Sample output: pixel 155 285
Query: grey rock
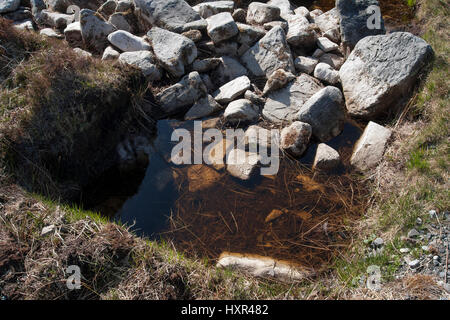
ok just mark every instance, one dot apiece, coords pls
pixel 381 71
pixel 325 112
pixel 283 105
pixel 108 8
pixel 208 9
pixel 261 13
pixel 205 65
pixel 126 41
pixel 249 34
pixel 228 69
pixel 168 14
pixel 202 108
pixel 72 33
pixel 94 30
pixel 285 8
pixel 326 73
pixel 328 20
pixel 241 112
pixel 277 80
pixel 326 44
pixel 55 19
pixel 295 138
pixel 173 50
pixel 269 54
pixel 120 22
pixel 254 98
pixel 194 35
pixel 414 264
pixel 305 64
pixel 301 33
pixel 182 95
pixel 369 149
pixel 334 60
pixel 232 90
pixel 413 233
pixel 110 54
pixel 49 32
pixel 326 158
pixel 124 5
pixel 271 25
pixel 354 18
pixel 221 27
pixel 144 61
pixel 9 5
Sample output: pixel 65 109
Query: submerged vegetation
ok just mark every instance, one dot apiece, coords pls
pixel 49 129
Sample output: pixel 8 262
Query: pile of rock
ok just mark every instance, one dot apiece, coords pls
pixel 303 71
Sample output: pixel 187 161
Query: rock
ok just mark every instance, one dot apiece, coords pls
pixel 369 149
pixel 18 15
pixel 173 50
pixel 83 53
pixel 245 169
pixel 378 243
pixel 182 95
pixel 285 8
pixel 119 21
pixel 201 177
pixel 194 35
pixel 301 33
pixel 241 112
pixel 205 65
pixel 271 25
pixel 110 54
pixel 254 98
pixel 9 5
pixel 124 5
pixel 414 264
pixel 172 15
pixel 72 33
pixel 326 73
pixel 208 83
pixel 326 158
pixel 302 11
pixel 249 34
pixel 305 64
pixel 36 9
pixel 334 60
pixel 277 80
pixel 333 34
pixel 208 9
pixel 404 250
pixel 325 112
pixel 269 54
pixel 48 229
pixel 260 13
pixel 327 21
pixel 126 41
pixel 317 53
pixel 94 30
pixel 202 108
pixel 227 48
pixel 283 105
pixel 199 25
pixel 381 71
pixel 259 266
pixel 108 8
pixel 144 61
pixel 55 19
pixel 232 90
pixel 228 69
pixel 326 45
pixel 413 233
pixel 295 138
pixel 23 25
pixel 354 20
pixel 49 32
pixel 221 27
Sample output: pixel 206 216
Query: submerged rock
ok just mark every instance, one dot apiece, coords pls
pixel 381 71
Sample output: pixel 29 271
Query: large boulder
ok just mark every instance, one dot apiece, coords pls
pixel 355 19
pixel 168 14
pixel 94 30
pixel 182 95
pixel 270 53
pixel 369 149
pixel 283 105
pixel 325 112
pixel 381 71
pixel 173 50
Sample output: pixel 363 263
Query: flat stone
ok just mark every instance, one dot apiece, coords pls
pixel 326 44
pixel 173 50
pixel 49 32
pixel 381 72
pixel 270 53
pixel 204 107
pixel 232 90
pixel 369 149
pixel 325 112
pixel 283 105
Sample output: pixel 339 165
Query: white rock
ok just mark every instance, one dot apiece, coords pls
pixel 221 27
pixel 334 60
pixel 9 5
pixel 48 229
pixel 240 112
pixel 249 34
pixel 49 32
pixel 144 61
pixel 369 149
pixel 303 11
pixel 260 13
pixel 73 35
pixel 301 33
pixel 328 20
pixel 285 7
pixel 277 80
pixel 56 20
pixel 110 54
pixel 305 64
pixel 326 73
pixel 326 158
pixel 232 90
pixel 83 53
pixel 208 9
pixel 126 41
pixel 228 69
pixel 326 44
pixel 246 167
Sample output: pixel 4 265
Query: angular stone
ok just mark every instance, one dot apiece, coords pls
pixel 204 107
pixel 173 50
pixel 205 65
pixel 327 21
pixel 325 112
pixel 326 45
pixel 228 69
pixel 277 80
pixel 208 9
pixel 108 8
pixel 240 112
pixel 168 14
pixel 334 60
pixel 56 20
pixel 285 8
pixel 94 30
pixel 261 13
pixel 295 138
pixel 354 19
pixel 144 61
pixel 369 149
pixel 326 158
pixel 119 21
pixel 194 35
pixel 271 25
pixel 283 105
pixel 305 64
pixel 242 165
pixel 232 90
pixel 249 34
pixel 110 54
pixel 269 54
pixel 49 32
pixel 381 71
pixel 301 33
pixel 182 95
pixel 221 27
